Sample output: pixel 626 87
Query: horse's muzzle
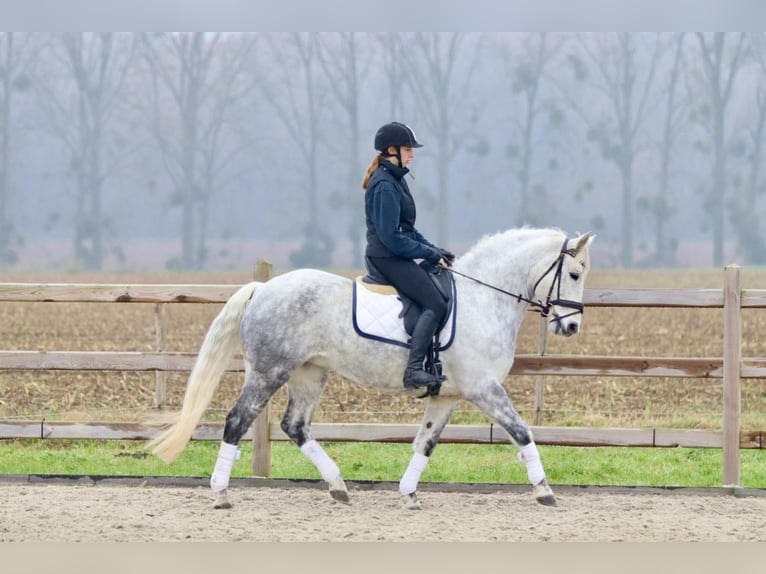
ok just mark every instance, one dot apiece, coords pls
pixel 565 327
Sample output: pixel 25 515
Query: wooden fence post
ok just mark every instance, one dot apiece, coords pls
pixel 261 442
pixel 539 379
pixel 732 361
pixel 160 377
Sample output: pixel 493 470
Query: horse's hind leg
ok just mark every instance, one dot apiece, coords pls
pixel 254 396
pixel 436 416
pixel 494 401
pixel 304 391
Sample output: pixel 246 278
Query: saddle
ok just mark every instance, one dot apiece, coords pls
pixel 375 282
pixel 442 279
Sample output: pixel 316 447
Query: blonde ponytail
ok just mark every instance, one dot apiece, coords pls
pixel 370 170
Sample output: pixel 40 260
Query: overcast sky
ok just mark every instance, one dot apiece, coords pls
pixel 392 15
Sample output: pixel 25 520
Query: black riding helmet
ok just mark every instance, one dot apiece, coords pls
pixel 395 134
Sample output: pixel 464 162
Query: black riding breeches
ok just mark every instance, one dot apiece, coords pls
pixel 413 281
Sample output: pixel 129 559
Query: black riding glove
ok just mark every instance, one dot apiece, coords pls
pixel 435 257
pixel 448 256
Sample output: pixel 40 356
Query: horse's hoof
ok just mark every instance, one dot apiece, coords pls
pixel 339 492
pixel 549 500
pixel 222 501
pixel 411 502
pixel 340 496
pixel 544 494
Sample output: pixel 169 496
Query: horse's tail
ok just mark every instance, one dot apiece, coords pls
pixel 214 356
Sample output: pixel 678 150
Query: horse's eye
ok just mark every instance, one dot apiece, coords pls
pixel 574 276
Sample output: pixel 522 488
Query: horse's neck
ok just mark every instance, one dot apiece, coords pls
pixel 488 277
pixel 511 263
pixel 512 267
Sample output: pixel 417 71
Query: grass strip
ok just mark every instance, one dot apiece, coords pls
pixel 611 466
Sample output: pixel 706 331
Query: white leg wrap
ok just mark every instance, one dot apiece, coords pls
pixel 530 455
pixel 325 465
pixel 227 454
pixel 409 482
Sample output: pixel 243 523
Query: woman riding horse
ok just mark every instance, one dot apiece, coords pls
pixel 393 242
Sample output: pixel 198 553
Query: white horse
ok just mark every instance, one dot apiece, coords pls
pixel 296 328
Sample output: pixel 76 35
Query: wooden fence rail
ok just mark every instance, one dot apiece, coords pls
pixel 730 367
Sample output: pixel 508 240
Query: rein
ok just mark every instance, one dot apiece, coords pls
pixel 538 307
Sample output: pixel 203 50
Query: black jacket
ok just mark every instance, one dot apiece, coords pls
pixel 390 216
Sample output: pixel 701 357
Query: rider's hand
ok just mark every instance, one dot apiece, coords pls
pixel 447 257
pixel 435 257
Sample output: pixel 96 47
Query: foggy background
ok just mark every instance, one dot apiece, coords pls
pixel 151 151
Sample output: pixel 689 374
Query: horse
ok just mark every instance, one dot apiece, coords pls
pixel 296 328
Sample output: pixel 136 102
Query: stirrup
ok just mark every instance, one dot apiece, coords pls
pixel 432 390
pixel 432 386
pixel 425 379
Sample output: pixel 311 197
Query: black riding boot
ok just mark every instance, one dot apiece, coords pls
pixel 422 335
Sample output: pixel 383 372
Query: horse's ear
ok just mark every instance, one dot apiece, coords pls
pixel 584 241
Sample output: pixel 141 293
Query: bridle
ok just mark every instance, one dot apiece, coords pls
pixel 538 306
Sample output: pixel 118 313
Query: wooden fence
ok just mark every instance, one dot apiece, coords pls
pixel 730 367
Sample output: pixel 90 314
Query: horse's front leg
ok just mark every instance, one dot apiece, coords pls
pixel 436 417
pixel 495 403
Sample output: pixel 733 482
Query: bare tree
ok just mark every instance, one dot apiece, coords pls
pixel 442 97
pixel 81 94
pixel 197 81
pixel 659 205
pixel 13 79
pixel 340 56
pixel 614 65
pixel 299 97
pixel 533 118
pixel 722 56
pixel 745 207
pixel 393 62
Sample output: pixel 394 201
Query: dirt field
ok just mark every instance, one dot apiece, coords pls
pixel 119 513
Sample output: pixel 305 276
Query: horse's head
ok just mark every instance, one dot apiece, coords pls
pixel 559 290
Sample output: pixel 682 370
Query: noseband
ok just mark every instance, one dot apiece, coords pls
pixel 543 308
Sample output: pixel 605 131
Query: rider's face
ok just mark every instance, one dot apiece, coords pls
pixel 407 154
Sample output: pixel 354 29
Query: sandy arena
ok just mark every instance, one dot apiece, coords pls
pixel 96 511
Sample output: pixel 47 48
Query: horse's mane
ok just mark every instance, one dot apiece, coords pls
pixel 519 248
pixel 491 241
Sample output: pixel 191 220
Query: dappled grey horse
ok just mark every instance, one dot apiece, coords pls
pixel 296 328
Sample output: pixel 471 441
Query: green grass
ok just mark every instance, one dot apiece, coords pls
pixel 386 462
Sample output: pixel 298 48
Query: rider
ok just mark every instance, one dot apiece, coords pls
pixel 393 242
